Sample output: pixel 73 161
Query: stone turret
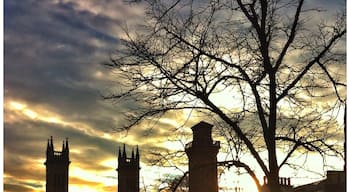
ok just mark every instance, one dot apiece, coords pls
pixel 202 153
pixel 57 166
pixel 128 171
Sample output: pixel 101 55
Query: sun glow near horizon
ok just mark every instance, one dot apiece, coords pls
pixel 94 180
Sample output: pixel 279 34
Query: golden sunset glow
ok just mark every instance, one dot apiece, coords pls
pixel 95 180
pixel 39 113
pixel 59 74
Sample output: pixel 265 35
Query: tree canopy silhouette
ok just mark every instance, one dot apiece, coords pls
pixel 275 62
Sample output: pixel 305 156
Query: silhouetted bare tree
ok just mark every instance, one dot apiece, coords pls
pixel 274 61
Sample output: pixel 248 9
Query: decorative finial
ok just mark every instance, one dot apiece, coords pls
pixel 51 140
pixel 124 152
pixel 67 148
pixel 137 152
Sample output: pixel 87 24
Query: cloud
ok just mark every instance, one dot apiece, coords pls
pixel 16 187
pixel 53 85
pixel 60 57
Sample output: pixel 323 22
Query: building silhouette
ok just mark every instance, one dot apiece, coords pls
pixel 128 171
pixel 335 182
pixel 284 182
pixel 57 165
pixel 202 174
pixel 202 153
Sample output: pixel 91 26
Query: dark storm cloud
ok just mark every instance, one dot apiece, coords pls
pixel 84 21
pixel 57 48
pixel 326 4
pixel 51 54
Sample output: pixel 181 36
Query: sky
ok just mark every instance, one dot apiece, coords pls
pixel 53 86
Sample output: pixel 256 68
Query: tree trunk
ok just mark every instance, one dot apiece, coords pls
pixel 272 185
pixel 275 187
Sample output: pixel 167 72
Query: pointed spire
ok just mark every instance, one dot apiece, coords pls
pixel 52 148
pixel 137 152
pixel 48 145
pixel 67 147
pixel 119 152
pixel 48 149
pixel 132 154
pixel 124 152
